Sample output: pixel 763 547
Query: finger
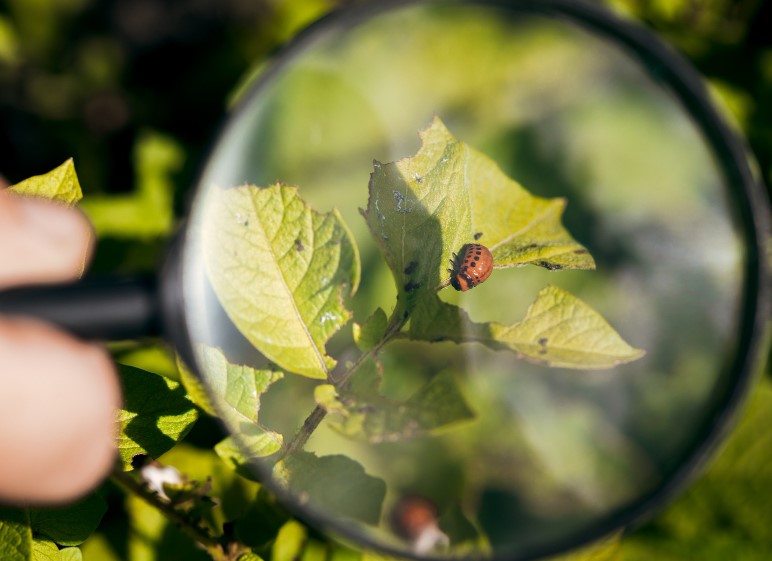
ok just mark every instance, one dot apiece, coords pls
pixel 41 241
pixel 57 413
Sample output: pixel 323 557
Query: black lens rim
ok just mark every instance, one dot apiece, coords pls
pixel 746 192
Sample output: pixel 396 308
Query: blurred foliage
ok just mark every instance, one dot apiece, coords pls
pixel 725 514
pixel 730 44
pixel 133 90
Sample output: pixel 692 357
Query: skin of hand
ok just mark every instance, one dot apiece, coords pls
pixel 58 395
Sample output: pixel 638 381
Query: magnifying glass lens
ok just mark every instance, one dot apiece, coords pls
pixel 451 446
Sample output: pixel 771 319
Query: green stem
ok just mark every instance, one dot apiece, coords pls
pixel 216 549
pixel 312 422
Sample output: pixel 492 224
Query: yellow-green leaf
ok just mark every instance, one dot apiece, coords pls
pixel 148 211
pixel 44 550
pixel 558 330
pixel 333 484
pixel 281 271
pixel 562 331
pixel 15 534
pixel 60 184
pixel 71 554
pixel 604 550
pixel 239 386
pixel 367 335
pixel 155 415
pixel 425 208
pixel 289 542
pixel 233 392
pixel 436 406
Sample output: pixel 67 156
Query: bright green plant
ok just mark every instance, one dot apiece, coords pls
pixel 289 271
pixel 232 517
pixel 285 274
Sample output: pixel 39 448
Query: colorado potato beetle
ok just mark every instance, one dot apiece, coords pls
pixel 472 265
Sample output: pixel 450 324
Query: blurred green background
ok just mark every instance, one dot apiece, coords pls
pixel 135 89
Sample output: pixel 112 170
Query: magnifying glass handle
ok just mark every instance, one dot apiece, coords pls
pixel 110 309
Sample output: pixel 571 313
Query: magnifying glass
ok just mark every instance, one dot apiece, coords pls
pixel 411 432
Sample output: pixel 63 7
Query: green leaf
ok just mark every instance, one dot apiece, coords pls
pixel 315 550
pixel 725 513
pixel 15 535
pixel 156 358
pixel 289 542
pixel 153 538
pixel 156 414
pixel 424 208
pixel 333 484
pixel 436 406
pixel 250 557
pixel 562 331
pixel 32 534
pixel 60 184
pixel 252 442
pixel 101 546
pixel 233 392
pixel 558 330
pixel 605 550
pixel 44 550
pixel 340 552
pixel 71 554
pixel 369 334
pixel 195 388
pixel 148 212
pixel 69 525
pixel 234 495
pixel 239 386
pixel 259 525
pixel 281 271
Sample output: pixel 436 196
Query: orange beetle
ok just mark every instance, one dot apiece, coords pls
pixel 472 266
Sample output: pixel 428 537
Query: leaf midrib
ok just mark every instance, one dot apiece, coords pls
pixel 298 315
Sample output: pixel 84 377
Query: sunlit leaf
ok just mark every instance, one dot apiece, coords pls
pixel 561 330
pixel 558 330
pixel 15 535
pixel 250 556
pixel 239 386
pixel 333 484
pixel 152 537
pixel 233 392
pixel 60 184
pixel 289 542
pixel 155 415
pixel 281 271
pixel 252 442
pixel 234 495
pixel 425 208
pixel 367 335
pixel 44 550
pixel 315 550
pixel 148 211
pixel 71 554
pixel 437 405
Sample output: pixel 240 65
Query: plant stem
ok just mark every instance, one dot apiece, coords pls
pixel 313 421
pixel 216 549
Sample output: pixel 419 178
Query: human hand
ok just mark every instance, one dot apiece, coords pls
pixel 58 395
